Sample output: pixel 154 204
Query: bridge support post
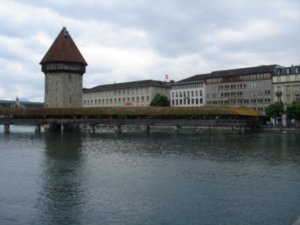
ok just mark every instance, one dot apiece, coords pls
pixel 147 129
pixel 55 127
pixel 118 128
pixel 37 128
pixel 177 129
pixel 242 129
pixel 93 128
pixel 70 127
pixel 6 129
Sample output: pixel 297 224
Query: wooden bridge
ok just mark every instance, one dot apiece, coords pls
pixel 91 118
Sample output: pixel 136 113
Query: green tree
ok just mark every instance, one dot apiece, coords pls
pixel 293 111
pixel 160 100
pixel 274 110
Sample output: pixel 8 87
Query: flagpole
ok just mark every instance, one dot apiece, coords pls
pixel 166 77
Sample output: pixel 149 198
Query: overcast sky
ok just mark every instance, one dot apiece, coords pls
pixel 124 40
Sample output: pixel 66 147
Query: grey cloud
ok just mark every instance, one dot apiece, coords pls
pixel 175 27
pixel 167 30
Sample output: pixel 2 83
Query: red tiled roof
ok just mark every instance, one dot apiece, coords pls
pixel 63 49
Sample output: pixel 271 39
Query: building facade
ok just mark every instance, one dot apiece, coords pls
pixel 63 66
pixel 189 92
pixel 128 94
pixel 244 87
pixel 286 85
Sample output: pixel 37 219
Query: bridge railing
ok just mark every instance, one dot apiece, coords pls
pixel 136 121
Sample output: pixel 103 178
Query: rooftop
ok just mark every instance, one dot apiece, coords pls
pixel 287 70
pixel 63 49
pixel 133 84
pixel 195 78
pixel 232 72
pixel 245 71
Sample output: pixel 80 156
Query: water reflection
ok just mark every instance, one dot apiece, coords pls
pixel 268 148
pixel 165 178
pixel 61 194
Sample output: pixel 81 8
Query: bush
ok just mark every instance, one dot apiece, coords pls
pixel 293 111
pixel 160 100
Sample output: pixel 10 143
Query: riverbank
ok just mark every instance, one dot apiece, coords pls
pixel 281 129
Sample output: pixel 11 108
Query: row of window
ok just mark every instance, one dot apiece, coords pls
pixel 287 70
pixel 108 101
pixel 243 85
pixel 286 78
pixel 232 94
pixel 219 80
pixel 238 94
pixel 239 86
pixel 180 94
pixel 231 86
pixel 132 91
pixel 290 99
pixel 240 101
pixel 187 102
pixel 187 86
pixel 288 88
pixel 63 66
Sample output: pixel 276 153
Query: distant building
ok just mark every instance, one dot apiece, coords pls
pixel 26 104
pixel 127 94
pixel 286 85
pixel 245 87
pixel 189 92
pixel 17 104
pixel 63 66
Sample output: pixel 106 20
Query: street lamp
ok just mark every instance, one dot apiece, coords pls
pixel 279 95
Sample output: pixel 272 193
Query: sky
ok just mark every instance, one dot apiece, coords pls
pixel 125 40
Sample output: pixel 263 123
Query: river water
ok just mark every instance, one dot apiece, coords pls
pixel 164 178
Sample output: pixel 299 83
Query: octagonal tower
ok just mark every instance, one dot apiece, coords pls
pixel 63 66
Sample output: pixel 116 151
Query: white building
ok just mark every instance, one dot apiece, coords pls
pixel 128 94
pixel 189 92
pixel 286 85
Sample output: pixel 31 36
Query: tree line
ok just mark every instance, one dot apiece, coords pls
pixel 277 110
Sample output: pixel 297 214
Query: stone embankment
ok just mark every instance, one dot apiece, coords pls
pixel 281 129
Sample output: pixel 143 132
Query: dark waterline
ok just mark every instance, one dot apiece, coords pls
pixel 163 178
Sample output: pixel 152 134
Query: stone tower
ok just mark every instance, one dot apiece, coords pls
pixel 63 66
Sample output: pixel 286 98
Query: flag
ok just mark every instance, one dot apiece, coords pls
pixel 166 77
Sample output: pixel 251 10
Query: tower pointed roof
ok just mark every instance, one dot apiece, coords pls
pixel 63 49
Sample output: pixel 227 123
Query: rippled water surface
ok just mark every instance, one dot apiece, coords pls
pixel 163 178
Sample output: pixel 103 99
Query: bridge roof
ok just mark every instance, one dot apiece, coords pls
pixel 135 111
pixel 63 50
